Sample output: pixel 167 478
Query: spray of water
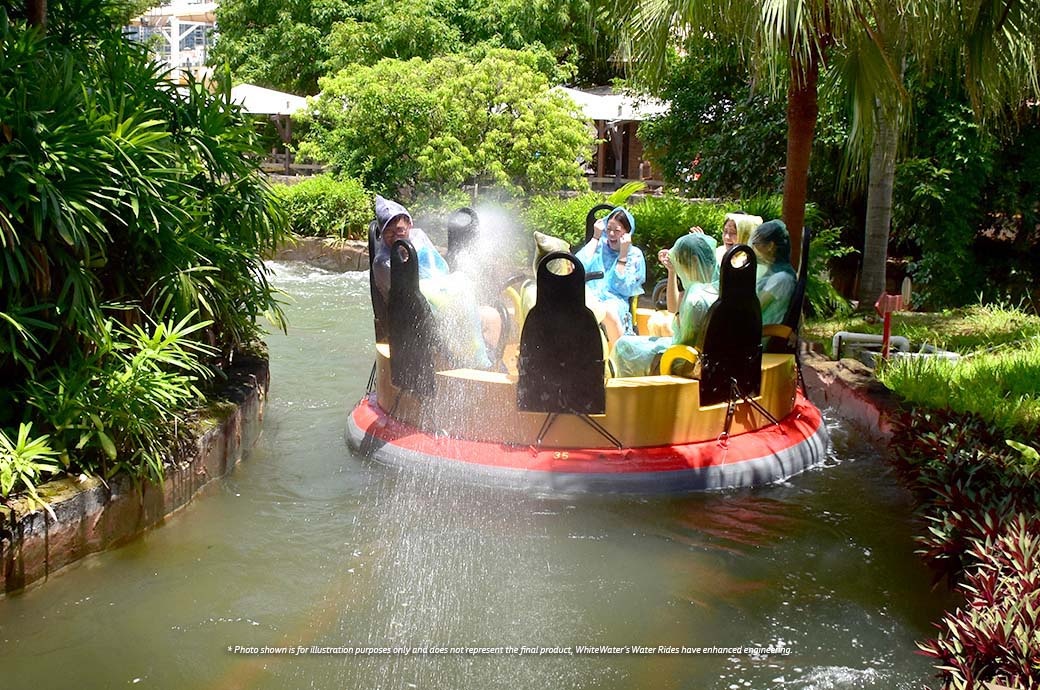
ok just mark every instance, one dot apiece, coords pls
pixel 472 297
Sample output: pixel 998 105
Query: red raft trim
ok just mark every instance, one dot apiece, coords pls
pixel 800 425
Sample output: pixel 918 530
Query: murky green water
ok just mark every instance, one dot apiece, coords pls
pixel 304 546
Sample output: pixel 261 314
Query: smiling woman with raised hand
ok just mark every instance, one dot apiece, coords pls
pixel 622 264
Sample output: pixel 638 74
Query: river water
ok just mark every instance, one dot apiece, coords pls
pixel 278 574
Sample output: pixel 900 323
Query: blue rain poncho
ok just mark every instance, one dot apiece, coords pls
pixel 776 283
pixel 620 282
pixel 693 257
pixel 431 263
pixel 451 295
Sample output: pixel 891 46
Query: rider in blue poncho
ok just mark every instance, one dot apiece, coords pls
pixel 466 330
pixel 622 264
pixel 395 223
pixel 692 258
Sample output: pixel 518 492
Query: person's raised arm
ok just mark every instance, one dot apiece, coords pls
pixel 672 289
pixel 585 254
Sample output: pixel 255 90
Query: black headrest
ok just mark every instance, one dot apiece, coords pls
pixel 463 218
pixel 566 290
pixel 463 225
pixel 590 218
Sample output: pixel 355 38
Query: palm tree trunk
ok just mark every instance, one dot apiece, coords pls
pixel 36 12
pixel 879 210
pixel 802 110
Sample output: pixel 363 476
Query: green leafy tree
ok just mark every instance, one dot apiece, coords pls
pixel 565 30
pixel 395 30
pixel 279 44
pixel 371 122
pixel 717 109
pixel 289 44
pixel 436 124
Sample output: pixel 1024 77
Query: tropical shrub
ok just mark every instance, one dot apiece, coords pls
pixel 821 297
pixel 968 481
pixel 327 207
pixel 937 199
pixel 123 407
pixel 561 217
pixel 125 200
pixel 994 637
pixel 24 461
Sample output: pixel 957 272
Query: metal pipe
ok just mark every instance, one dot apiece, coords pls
pixel 896 341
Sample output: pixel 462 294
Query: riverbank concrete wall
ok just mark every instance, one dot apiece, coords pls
pixel 849 388
pixel 86 515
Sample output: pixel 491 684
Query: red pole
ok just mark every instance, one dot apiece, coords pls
pixel 885 305
pixel 886 334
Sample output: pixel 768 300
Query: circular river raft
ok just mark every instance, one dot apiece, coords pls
pixel 471 428
pixel 727 414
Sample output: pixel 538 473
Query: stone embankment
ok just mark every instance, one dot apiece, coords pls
pixel 87 515
pixel 850 389
pixel 331 254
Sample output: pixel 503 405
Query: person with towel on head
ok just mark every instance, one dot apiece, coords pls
pixel 692 258
pixel 622 264
pixel 469 331
pixel 777 278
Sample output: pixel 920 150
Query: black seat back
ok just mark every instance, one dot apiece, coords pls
pixel 561 354
pixel 793 316
pixel 410 324
pixel 378 303
pixel 732 345
pixel 590 218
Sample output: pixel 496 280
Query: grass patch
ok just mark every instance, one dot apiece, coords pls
pixel 1001 384
pixel 997 378
pixel 965 330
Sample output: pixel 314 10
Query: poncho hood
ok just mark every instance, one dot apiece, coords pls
pixel 693 257
pixel 387 210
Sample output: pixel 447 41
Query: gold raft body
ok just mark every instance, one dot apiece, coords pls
pixel 641 411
